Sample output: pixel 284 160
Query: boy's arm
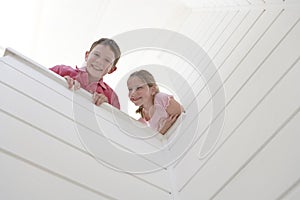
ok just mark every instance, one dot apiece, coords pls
pixel 115 100
pixel 64 70
pixel 68 73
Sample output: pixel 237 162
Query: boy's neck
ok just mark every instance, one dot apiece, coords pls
pixel 93 79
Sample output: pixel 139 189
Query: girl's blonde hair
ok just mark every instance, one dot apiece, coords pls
pixel 148 78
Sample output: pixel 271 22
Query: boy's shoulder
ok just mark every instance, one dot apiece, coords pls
pixel 64 70
pixel 62 66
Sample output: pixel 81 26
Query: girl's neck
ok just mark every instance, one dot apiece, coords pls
pixel 148 110
pixel 148 105
pixel 147 114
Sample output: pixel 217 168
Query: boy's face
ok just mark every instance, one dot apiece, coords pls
pixel 99 61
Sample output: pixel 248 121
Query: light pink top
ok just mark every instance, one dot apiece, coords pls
pixel 161 102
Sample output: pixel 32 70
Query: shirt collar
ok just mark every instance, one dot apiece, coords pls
pixel 101 83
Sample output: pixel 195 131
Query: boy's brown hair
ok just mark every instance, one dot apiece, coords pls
pixel 113 46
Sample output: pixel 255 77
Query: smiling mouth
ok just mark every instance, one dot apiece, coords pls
pixel 135 99
pixel 97 69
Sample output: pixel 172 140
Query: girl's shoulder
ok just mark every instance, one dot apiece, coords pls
pixel 162 98
pixel 162 95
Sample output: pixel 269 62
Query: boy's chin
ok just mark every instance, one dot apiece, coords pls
pixel 98 76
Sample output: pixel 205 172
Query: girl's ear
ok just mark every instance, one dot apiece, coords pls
pixel 86 55
pixel 114 68
pixel 153 90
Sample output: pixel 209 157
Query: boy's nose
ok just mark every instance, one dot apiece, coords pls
pixel 99 61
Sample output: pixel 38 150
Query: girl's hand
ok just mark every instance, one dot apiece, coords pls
pixel 98 99
pixel 168 123
pixel 71 82
pixel 174 107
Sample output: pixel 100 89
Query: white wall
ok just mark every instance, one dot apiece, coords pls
pixel 256 50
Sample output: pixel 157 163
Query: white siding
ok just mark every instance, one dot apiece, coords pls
pixel 38 130
pixel 259 65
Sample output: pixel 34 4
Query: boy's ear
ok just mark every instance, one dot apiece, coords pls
pixel 114 68
pixel 86 55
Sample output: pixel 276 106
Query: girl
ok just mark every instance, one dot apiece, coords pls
pixel 158 110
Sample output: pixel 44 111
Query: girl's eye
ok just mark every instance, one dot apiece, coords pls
pixel 96 54
pixel 138 88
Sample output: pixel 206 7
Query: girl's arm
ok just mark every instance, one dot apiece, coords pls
pixel 174 109
pixel 168 123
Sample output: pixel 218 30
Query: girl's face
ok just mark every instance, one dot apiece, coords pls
pixel 139 92
pixel 99 61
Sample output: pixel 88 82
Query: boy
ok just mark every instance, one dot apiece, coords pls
pixel 101 59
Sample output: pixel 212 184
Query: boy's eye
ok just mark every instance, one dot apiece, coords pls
pixel 107 60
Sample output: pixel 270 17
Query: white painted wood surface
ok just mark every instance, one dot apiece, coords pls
pixel 259 66
pixel 38 130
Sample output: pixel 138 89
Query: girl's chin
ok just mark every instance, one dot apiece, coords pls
pixel 137 103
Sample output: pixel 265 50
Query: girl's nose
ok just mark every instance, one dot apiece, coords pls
pixel 132 93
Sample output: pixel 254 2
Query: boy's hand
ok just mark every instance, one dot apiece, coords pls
pixel 98 99
pixel 71 82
